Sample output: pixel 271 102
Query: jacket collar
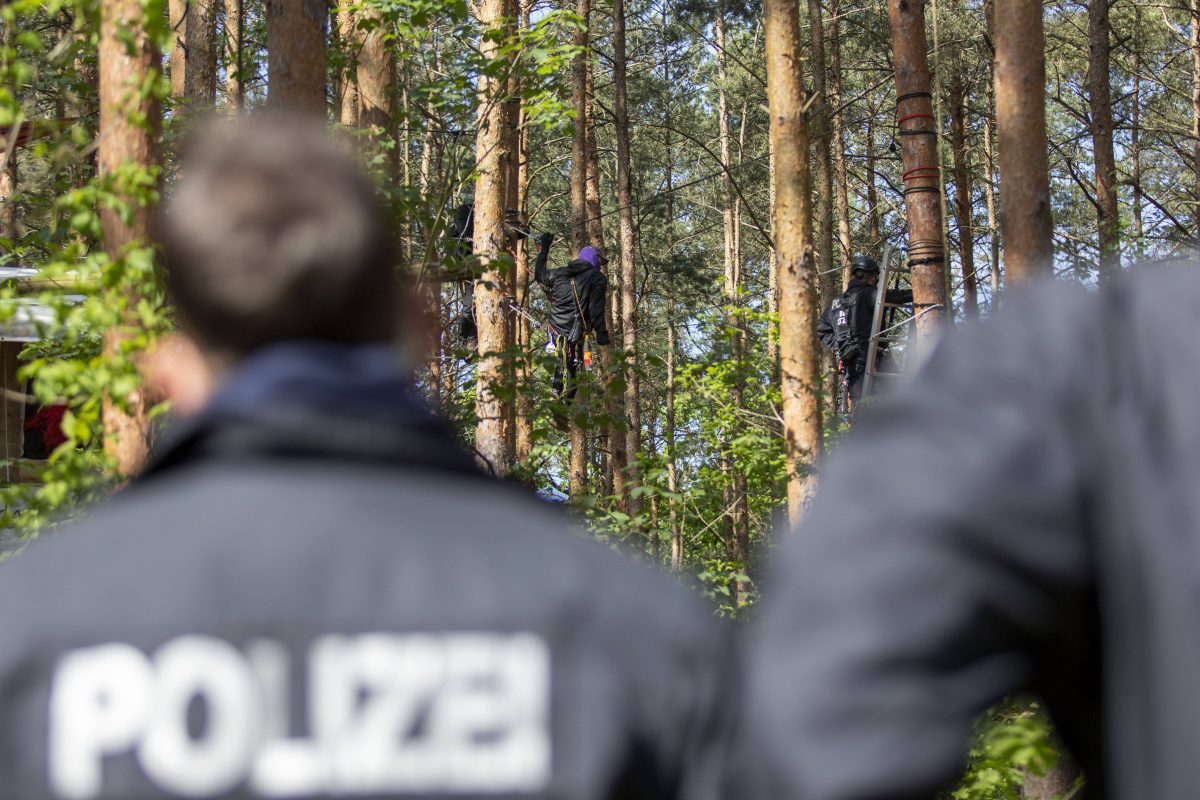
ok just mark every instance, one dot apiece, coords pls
pixel 316 400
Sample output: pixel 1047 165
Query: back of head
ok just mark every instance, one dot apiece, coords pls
pixel 274 232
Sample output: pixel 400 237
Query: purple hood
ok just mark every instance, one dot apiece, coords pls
pixel 590 255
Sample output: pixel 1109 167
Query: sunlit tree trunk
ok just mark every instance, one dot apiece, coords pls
pixel 194 52
pixel 989 190
pixel 799 309
pixel 842 181
pixel 1135 150
pixel 873 233
pixel 917 132
pixel 492 442
pixel 1021 133
pixel 129 131
pixel 629 315
pixel 235 35
pixel 579 220
pixel 820 131
pixel 346 98
pixel 524 409
pixel 963 204
pixel 1108 216
pixel 377 88
pixel 1195 8
pixel 673 520
pixel 296 58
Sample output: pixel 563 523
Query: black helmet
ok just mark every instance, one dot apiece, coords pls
pixel 864 263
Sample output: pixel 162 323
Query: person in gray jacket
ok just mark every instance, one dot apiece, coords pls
pixel 1023 517
pixel 312 591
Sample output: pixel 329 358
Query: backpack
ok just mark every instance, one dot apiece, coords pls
pixel 843 312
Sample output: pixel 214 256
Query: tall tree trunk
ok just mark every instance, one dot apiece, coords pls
pixel 820 138
pixel 919 154
pixel 1195 7
pixel 377 87
pixel 799 309
pixel 842 195
pixel 296 59
pixel 1108 216
pixel 235 36
pixel 872 193
pixel 772 266
pixel 524 421
pixel 579 220
pixel 194 52
pixel 989 189
pixel 629 315
pixel 347 99
pixel 669 426
pixel 129 128
pixel 1021 131
pixel 1135 150
pixel 491 316
pixel 963 204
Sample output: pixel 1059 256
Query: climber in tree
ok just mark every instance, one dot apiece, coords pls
pixel 845 327
pixel 577 295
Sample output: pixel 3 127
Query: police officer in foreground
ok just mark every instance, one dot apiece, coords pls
pixel 845 327
pixel 1033 523
pixel 313 592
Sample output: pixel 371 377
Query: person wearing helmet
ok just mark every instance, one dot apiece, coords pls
pixel 845 327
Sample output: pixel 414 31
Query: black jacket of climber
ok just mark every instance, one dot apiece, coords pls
pixel 860 296
pixel 579 286
pixel 1038 529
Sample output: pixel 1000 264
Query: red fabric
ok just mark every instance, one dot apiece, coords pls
pixel 48 420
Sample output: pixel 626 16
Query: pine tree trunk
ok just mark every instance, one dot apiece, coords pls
pixel 377 87
pixel 235 35
pixel 491 316
pixel 676 529
pixel 1108 217
pixel 873 234
pixel 346 97
pixel 523 427
pixel 1135 150
pixel 842 196
pixel 917 132
pixel 296 59
pixel 963 203
pixel 989 188
pixel 129 128
pixel 579 223
pixel 194 52
pixel 799 309
pixel 1021 132
pixel 772 266
pixel 819 131
pixel 629 315
pixel 1195 7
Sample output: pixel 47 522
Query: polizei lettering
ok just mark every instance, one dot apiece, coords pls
pixel 387 714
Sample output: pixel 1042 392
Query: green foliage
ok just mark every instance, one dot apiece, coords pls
pixel 1010 740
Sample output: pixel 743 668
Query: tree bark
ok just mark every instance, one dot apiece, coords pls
pixel 1195 8
pixel 579 221
pixel 492 442
pixel 377 87
pixel 963 203
pixel 1108 218
pixel 129 133
pixel 842 195
pixel 194 52
pixel 629 315
pixel 676 529
pixel 989 188
pixel 919 154
pixel 819 132
pixel 1021 131
pixel 349 106
pixel 235 36
pixel 1135 151
pixel 523 427
pixel 296 59
pixel 873 233
pixel 799 309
